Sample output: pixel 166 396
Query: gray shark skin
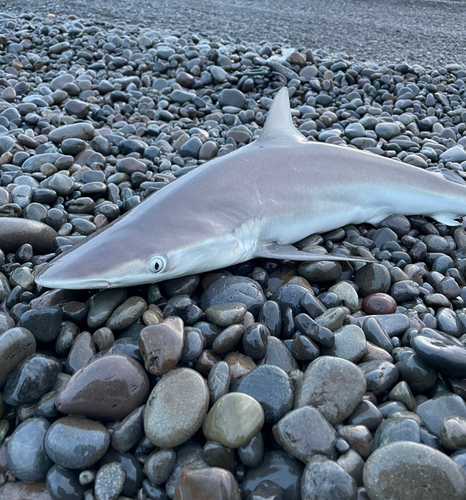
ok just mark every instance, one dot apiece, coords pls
pixel 253 202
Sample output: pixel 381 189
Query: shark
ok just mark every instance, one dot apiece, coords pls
pixel 254 202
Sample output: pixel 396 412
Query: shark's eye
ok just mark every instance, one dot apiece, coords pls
pixel 157 264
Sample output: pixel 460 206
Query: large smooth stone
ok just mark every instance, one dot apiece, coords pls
pixel 334 386
pixel 324 478
pixel 76 443
pixel 279 467
pixel 271 387
pixel 79 130
pixel 205 484
pixel 15 232
pixel 234 289
pixel 108 388
pixel 176 408
pixel 234 420
pixel 27 458
pixel 16 344
pixel 441 351
pixel 304 433
pixel 412 471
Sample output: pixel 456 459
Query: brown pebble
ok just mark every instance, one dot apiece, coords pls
pixel 206 484
pixel 108 388
pixel 206 361
pixel 239 364
pixel 379 303
pixel 14 232
pixel 161 345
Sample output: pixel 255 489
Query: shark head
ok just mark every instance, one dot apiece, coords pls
pixel 136 249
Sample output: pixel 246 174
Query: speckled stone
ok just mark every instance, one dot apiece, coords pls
pixel 233 420
pixel 170 421
pixel 410 471
pixel 108 388
pixel 109 481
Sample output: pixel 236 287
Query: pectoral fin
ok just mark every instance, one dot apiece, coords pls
pixel 446 219
pixel 289 252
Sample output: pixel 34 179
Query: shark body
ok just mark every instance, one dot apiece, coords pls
pixel 254 202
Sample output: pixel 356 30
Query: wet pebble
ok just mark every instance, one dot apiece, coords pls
pixel 170 421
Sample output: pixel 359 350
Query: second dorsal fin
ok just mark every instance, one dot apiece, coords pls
pixel 279 123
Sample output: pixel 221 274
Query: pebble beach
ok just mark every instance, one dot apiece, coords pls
pixel 269 380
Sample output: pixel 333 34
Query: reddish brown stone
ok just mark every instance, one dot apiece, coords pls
pixel 239 364
pixel 206 361
pixel 161 345
pixel 24 491
pixel 108 388
pixel 206 484
pixel 379 303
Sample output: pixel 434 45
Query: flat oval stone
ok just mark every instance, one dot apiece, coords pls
pixel 441 351
pixel 233 420
pixel 159 465
pixel 271 387
pixel 332 385
pixel 16 344
pixel 234 289
pixel 410 471
pixel 80 130
pixel 27 458
pixel 108 388
pixel 76 443
pixel 15 231
pixel 224 315
pixel 102 304
pixel 379 303
pixel 280 468
pixel 176 408
pixel 127 313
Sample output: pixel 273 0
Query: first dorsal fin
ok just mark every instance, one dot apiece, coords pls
pixel 279 124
